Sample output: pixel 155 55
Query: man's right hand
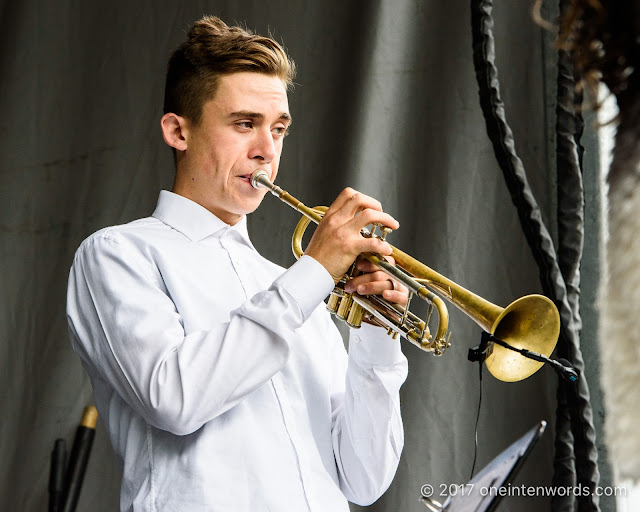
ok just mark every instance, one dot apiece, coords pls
pixel 337 241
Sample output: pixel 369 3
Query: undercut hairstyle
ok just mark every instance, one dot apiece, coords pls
pixel 213 49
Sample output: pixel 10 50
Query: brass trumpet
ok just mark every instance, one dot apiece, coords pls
pixel 531 322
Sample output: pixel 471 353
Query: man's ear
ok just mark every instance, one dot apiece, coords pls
pixel 174 131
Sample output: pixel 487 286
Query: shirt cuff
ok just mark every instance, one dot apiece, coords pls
pixel 372 345
pixel 308 283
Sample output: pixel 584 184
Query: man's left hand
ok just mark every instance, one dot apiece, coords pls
pixel 374 281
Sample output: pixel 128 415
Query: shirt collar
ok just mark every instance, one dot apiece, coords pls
pixel 193 220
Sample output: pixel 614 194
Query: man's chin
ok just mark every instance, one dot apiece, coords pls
pixel 250 208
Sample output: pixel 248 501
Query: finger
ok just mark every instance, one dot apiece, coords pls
pixel 351 203
pixel 346 196
pixel 365 279
pixel 364 265
pixel 371 216
pixel 359 201
pixel 372 284
pixel 374 287
pixel 397 296
pixel 374 245
pixel 376 275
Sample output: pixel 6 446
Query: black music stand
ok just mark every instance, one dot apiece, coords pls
pixel 482 494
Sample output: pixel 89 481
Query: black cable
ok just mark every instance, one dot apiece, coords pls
pixel 562 367
pixel 475 449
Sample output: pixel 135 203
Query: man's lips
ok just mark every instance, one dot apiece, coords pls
pixel 246 177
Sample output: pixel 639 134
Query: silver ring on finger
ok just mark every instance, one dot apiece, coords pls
pixel 394 284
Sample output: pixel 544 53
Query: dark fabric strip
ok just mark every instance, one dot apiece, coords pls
pixel 570 187
pixel 543 250
pixel 569 127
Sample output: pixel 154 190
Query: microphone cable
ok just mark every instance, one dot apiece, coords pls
pixel 480 353
pixel 475 448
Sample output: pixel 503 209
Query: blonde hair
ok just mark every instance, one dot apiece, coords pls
pixel 213 49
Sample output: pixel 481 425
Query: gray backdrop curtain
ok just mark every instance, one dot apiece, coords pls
pixel 386 102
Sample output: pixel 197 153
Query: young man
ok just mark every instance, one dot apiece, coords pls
pixel 220 377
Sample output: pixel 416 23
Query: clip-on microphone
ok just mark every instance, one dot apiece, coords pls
pixel 561 366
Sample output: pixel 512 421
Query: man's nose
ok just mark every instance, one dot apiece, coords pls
pixel 264 147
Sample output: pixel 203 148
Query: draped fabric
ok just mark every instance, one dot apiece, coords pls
pixel 576 461
pixel 386 101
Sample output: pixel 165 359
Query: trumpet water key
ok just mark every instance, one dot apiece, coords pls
pixel 531 322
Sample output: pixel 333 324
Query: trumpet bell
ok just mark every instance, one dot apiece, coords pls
pixel 531 322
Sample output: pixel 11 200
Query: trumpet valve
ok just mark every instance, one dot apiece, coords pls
pixel 334 302
pixel 355 316
pixel 344 307
pixel 385 231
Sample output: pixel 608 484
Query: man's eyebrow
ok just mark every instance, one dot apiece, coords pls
pixel 285 116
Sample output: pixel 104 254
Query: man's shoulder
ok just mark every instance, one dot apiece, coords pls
pixel 137 233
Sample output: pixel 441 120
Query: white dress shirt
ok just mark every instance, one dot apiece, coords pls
pixel 221 379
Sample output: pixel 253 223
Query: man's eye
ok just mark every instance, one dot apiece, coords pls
pixel 281 130
pixel 247 125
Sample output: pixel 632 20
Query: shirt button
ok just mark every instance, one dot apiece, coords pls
pixel 356 338
pixel 356 395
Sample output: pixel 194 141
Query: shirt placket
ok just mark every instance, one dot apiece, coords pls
pixel 291 425
pixel 245 271
pixel 229 245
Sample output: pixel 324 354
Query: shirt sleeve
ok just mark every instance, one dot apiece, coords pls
pixel 367 430
pixel 128 332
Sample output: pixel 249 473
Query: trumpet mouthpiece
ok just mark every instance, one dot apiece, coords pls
pixel 259 179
